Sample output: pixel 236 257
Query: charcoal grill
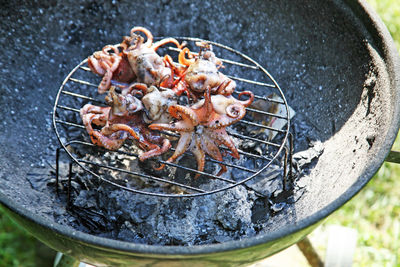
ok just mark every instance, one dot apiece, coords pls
pixel 278 153
pixel 335 61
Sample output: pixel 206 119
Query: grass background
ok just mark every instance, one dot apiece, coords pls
pixel 374 212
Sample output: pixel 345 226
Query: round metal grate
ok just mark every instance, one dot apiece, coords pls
pixel 80 87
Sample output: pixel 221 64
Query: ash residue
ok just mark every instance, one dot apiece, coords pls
pixel 122 215
pixel 99 208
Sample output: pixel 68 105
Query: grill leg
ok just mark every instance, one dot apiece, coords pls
pixel 69 183
pixel 57 167
pixel 309 253
pixel 63 260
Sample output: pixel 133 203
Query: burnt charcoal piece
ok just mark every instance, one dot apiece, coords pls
pixel 307 157
pixel 260 211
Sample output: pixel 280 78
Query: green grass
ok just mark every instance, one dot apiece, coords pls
pixel 375 211
pixel 17 248
pixel 389 11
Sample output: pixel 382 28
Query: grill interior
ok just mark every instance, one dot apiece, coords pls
pixel 80 87
pixel 321 53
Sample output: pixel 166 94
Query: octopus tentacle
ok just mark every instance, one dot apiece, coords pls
pixel 112 142
pixel 115 64
pixel 170 82
pixel 227 87
pixel 87 121
pixel 105 64
pixel 247 102
pixel 89 108
pixel 206 110
pixel 110 47
pixel 212 149
pixel 182 57
pixel 105 82
pixel 168 61
pixel 222 170
pixel 95 65
pixel 166 81
pixel 181 126
pixel 156 151
pixel 120 127
pixel 236 111
pixel 183 144
pixel 180 86
pixel 148 34
pixel 165 41
pixel 133 87
pixel 184 113
pixel 94 114
pixel 222 138
pixel 199 155
pixel 208 105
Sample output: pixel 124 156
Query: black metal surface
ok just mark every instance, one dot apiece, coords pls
pixel 393 156
pixel 342 44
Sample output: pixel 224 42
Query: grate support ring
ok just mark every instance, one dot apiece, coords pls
pixel 79 85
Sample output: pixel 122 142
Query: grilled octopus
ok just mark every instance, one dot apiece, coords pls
pixel 143 89
pixel 112 65
pixel 122 120
pixel 148 66
pixel 137 62
pixel 202 127
pixel 202 71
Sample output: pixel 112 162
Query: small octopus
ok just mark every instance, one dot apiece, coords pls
pixel 112 65
pixel 134 60
pixel 202 127
pixel 123 119
pixel 202 71
pixel 148 66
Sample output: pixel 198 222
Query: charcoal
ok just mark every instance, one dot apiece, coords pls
pixel 127 232
pixel 85 199
pixel 239 207
pixel 306 157
pixel 260 211
pixel 102 209
pixel 221 239
pixel 268 181
pixel 278 206
pixel 298 194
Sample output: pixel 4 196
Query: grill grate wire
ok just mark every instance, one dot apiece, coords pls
pixel 281 151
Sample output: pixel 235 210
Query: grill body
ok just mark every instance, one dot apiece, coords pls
pixel 335 62
pixel 86 248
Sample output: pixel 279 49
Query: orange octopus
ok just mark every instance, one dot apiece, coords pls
pixel 201 71
pixel 123 119
pixel 137 61
pixel 112 66
pixel 149 67
pixel 202 127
